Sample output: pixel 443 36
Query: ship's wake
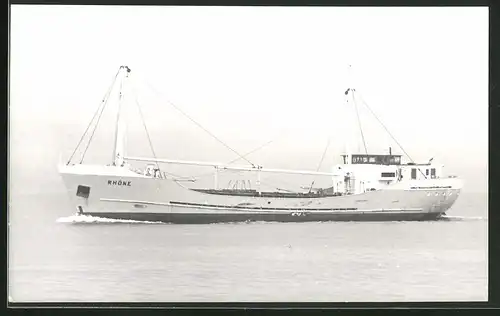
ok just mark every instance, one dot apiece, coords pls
pixel 461 218
pixel 87 219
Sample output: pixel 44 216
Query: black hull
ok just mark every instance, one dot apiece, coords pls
pixel 203 218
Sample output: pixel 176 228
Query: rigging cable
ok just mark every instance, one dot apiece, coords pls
pixel 147 132
pixel 149 138
pixel 92 135
pixel 85 133
pixel 236 159
pixel 359 124
pixel 251 152
pixel 320 162
pixel 97 124
pixel 387 130
pixel 102 104
pixel 244 155
pixel 200 126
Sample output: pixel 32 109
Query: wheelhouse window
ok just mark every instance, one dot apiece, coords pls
pixel 395 160
pixel 426 172
pixel 433 172
pixel 375 159
pixel 413 173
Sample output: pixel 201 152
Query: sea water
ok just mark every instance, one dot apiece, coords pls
pixel 56 256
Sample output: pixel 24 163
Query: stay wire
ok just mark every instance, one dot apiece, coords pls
pixel 92 135
pixel 203 128
pixel 149 138
pixel 321 161
pixel 359 124
pixel 234 160
pixel 97 124
pixel 101 104
pixel 390 134
pixel 251 152
pixel 147 132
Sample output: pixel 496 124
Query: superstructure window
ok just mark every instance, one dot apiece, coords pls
pixel 433 173
pixel 414 173
pixel 388 174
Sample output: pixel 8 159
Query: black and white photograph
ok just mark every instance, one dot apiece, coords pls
pixel 247 154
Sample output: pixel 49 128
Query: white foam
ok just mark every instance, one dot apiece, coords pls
pixel 87 219
pixel 463 218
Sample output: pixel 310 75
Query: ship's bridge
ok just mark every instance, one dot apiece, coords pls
pixel 373 159
pixel 366 172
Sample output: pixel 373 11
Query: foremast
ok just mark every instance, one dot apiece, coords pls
pixel 119 148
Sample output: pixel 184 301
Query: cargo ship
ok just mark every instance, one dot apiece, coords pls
pixel 364 187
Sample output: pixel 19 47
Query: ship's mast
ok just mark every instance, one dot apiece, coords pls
pixel 119 149
pixel 348 110
pixel 348 135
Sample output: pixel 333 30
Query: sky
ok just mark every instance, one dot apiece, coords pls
pixel 250 75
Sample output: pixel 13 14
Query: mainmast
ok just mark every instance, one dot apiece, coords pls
pixel 119 149
pixel 348 110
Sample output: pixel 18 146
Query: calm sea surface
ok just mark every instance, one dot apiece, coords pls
pixel 54 256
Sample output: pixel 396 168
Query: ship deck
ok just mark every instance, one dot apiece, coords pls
pixel 254 193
